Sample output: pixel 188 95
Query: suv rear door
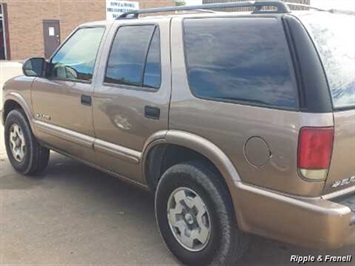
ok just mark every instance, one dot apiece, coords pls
pixel 333 36
pixel 131 101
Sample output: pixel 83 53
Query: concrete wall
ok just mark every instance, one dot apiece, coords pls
pixel 25 20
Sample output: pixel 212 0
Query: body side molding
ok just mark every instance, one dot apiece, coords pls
pixel 107 171
pixel 65 134
pixel 115 150
pixel 89 142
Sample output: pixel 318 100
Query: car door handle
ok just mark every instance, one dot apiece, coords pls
pixel 86 100
pixel 152 112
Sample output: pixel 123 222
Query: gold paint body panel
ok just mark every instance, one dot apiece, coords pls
pixel 113 135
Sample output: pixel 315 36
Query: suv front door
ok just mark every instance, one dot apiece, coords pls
pixel 131 102
pixel 62 102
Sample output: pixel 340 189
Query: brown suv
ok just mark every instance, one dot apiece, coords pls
pixel 239 122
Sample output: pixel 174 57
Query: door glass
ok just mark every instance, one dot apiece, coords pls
pixel 152 73
pixel 134 50
pixel 76 58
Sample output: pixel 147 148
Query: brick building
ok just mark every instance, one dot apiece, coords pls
pixel 24 24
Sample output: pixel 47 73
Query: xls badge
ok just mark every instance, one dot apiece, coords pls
pixel 47 117
pixel 343 182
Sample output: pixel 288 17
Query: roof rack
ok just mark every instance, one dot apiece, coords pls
pixel 339 11
pixel 281 7
pixel 303 5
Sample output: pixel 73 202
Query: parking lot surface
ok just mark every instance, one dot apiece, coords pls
pixel 73 214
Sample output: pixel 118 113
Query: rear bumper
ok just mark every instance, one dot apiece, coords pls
pixel 348 201
pixel 307 222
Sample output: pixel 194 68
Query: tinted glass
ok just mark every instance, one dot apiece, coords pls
pixel 152 73
pixel 128 55
pixel 239 60
pixel 335 40
pixel 76 59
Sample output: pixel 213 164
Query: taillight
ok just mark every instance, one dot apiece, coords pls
pixel 315 148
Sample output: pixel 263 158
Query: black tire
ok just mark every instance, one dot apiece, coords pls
pixel 226 244
pixel 35 157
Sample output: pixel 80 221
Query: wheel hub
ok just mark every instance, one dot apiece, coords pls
pixel 189 219
pixel 17 142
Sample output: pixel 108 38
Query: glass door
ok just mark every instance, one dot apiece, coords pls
pixel 3 55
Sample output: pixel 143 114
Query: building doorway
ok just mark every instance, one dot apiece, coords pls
pixel 3 34
pixel 51 35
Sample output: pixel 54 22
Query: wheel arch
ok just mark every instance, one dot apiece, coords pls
pixel 177 147
pixel 196 145
pixel 14 100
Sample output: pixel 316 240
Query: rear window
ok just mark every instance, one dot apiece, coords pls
pixel 239 60
pixel 334 38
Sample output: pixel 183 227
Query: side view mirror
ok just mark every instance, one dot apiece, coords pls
pixel 34 67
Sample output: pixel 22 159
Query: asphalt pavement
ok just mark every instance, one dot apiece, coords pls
pixel 73 214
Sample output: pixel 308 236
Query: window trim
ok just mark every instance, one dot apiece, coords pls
pixel 97 53
pixel 240 102
pixel 146 58
pixel 133 87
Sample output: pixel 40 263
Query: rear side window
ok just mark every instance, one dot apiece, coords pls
pixel 240 60
pixel 135 57
pixel 334 38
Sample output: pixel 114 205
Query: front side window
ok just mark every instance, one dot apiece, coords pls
pixel 135 57
pixel 76 58
pixel 239 60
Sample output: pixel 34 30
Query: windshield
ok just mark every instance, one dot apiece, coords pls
pixel 334 38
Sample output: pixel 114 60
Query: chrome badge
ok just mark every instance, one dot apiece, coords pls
pixel 44 116
pixel 343 182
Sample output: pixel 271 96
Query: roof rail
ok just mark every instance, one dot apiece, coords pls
pixel 281 7
pixel 339 11
pixel 307 6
